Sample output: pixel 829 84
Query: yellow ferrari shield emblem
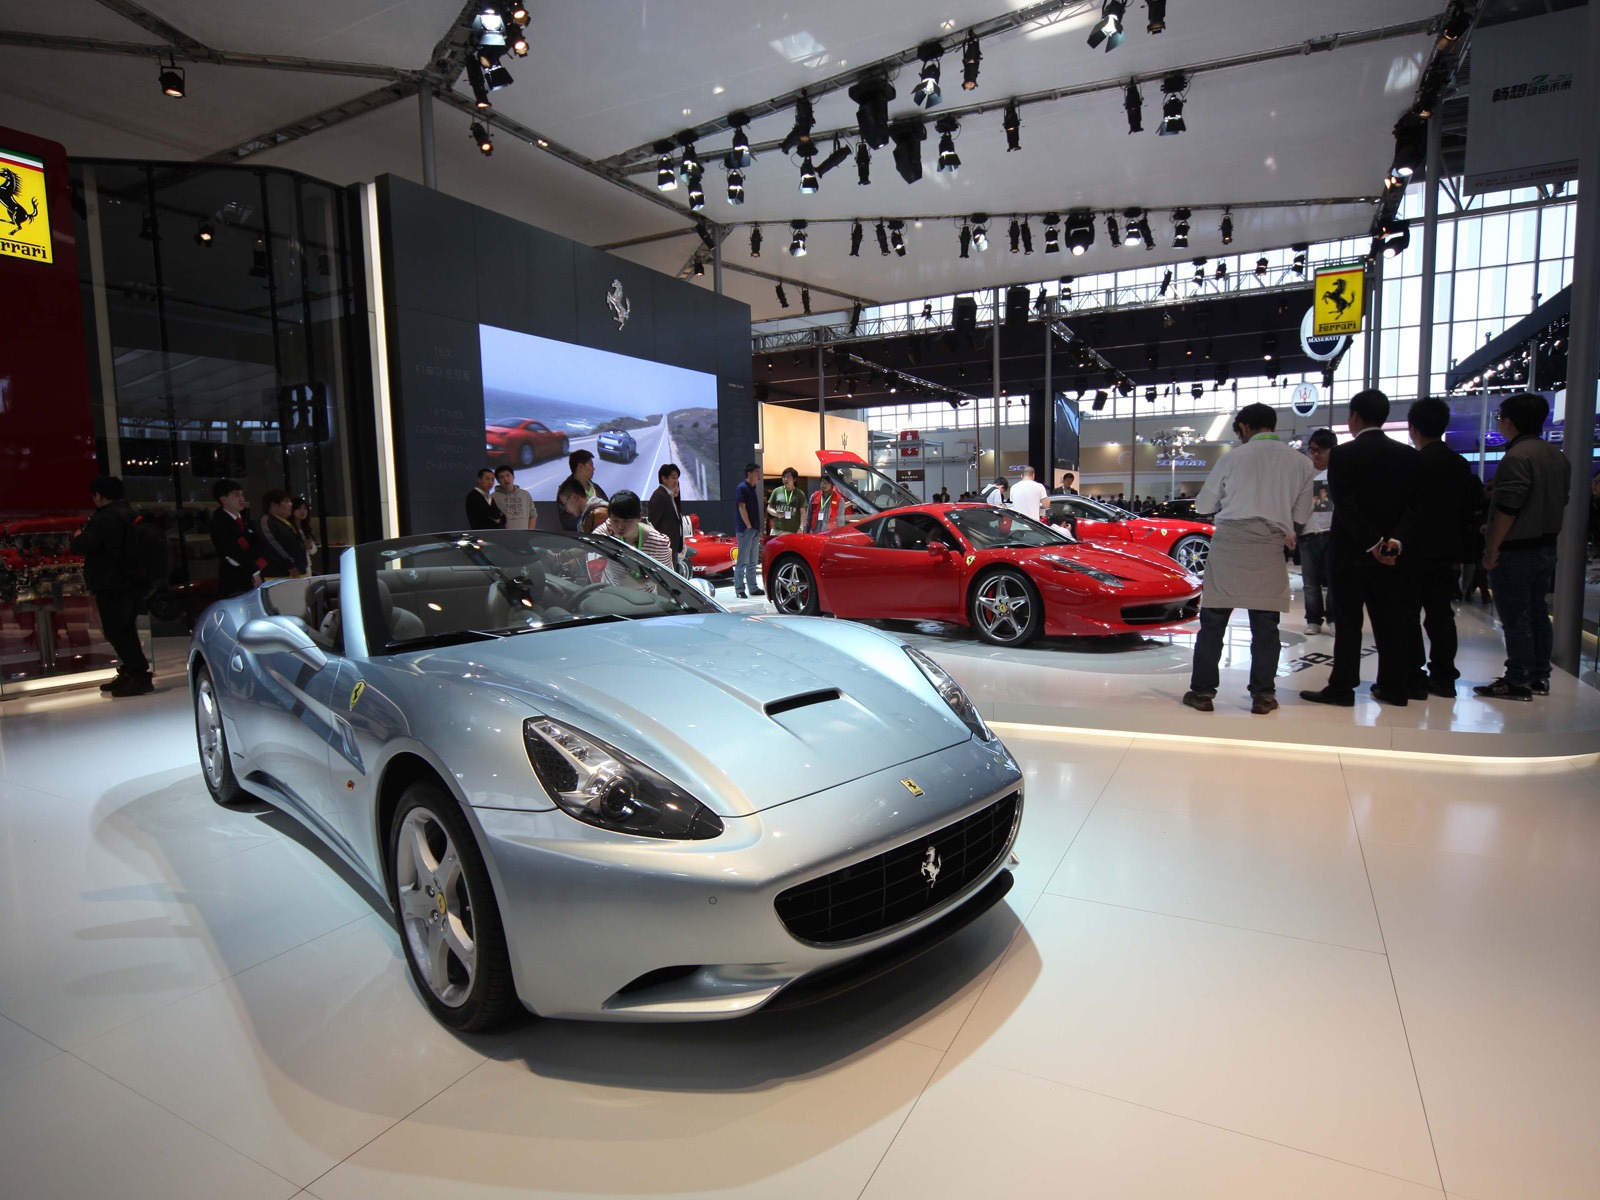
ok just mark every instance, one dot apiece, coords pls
pixel 971 558
pixel 355 692
pixel 1340 294
pixel 911 786
pixel 441 902
pixel 24 208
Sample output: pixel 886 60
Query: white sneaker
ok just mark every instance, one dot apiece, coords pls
pixel 1313 627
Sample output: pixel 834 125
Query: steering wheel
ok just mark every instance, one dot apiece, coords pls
pixel 587 590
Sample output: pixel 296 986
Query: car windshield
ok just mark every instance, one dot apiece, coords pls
pixel 1093 510
pixel 989 528
pixel 438 590
pixel 871 489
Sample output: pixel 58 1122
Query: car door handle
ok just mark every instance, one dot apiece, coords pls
pixel 238 662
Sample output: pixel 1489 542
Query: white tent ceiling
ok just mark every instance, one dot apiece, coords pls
pixel 607 76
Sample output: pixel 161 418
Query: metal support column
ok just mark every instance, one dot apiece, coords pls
pixel 1375 326
pixel 1583 364
pixel 430 171
pixel 822 402
pixel 716 261
pixel 999 472
pixel 1049 410
pixel 1430 259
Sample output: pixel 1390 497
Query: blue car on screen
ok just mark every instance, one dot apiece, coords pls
pixel 618 444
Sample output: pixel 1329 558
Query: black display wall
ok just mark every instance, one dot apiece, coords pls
pixel 449 266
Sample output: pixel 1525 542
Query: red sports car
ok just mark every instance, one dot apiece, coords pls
pixel 523 442
pixel 1187 542
pixel 713 552
pixel 1008 576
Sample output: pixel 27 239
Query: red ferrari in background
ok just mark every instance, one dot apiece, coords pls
pixel 712 553
pixel 1188 543
pixel 1009 577
pixel 523 442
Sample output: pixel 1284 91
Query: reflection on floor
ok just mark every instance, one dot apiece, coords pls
pixel 1251 974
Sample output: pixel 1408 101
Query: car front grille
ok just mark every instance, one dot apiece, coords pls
pixel 892 888
pixel 1161 614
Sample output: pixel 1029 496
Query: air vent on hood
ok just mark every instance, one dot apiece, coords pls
pixel 803 700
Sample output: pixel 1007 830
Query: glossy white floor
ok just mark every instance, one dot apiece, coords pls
pixel 1222 973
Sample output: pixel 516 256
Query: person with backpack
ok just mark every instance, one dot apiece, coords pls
pixel 113 573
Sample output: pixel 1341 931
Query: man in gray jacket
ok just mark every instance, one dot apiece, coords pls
pixel 1530 496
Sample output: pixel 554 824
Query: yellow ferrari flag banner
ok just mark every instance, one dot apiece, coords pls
pixel 1340 298
pixel 24 209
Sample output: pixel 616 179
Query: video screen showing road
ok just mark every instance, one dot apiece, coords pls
pixel 543 399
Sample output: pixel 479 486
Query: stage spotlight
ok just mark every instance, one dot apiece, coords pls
pixel 1133 105
pixel 872 96
pixel 971 56
pixel 883 239
pixel 666 170
pixel 1013 127
pixel 797 239
pixel 863 164
pixel 1396 236
pixel 805 300
pixel 1298 266
pixel 980 232
pixel 1222 271
pixel 965 238
pixel 1145 233
pixel 516 39
pixel 799 135
pixel 856 234
pixel 1262 267
pixel 1180 229
pixel 696 194
pixel 1108 29
pixel 1410 146
pixel 1197 390
pixel 1130 230
pixel 519 13
pixel 1065 295
pixel 1166 283
pixel 1014 234
pixel 755 241
pixel 707 239
pixel 1269 347
pixel 1041 302
pixel 480 134
pixel 205 235
pixel 1112 231
pixel 949 160
pixel 171 79
pixel 1188 349
pixel 1080 230
pixel 1199 271
pixel 908 138
pixel 735 183
pixel 1175 88
pixel 808 177
pixel 497 77
pixel 927 93
pixel 739 153
pixel 1100 399
pixel 927 310
pixel 1149 395
pixel 1158 15
pixel 1052 233
pixel 1027 236
pixel 783 296
pixel 1227 227
pixel 698 266
pixel 897 237
pixel 488 37
pixel 838 155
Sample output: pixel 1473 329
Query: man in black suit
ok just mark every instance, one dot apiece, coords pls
pixel 1371 481
pixel 483 512
pixel 1439 532
pixel 239 557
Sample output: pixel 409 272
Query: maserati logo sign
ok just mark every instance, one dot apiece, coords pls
pixel 621 307
pixel 931 866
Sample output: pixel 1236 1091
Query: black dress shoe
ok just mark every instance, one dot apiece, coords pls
pixel 1440 688
pixel 1385 696
pixel 1199 701
pixel 1417 691
pixel 1335 696
pixel 1504 689
pixel 112 682
pixel 134 685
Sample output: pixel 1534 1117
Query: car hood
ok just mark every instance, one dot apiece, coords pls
pixel 741 710
pixel 1129 561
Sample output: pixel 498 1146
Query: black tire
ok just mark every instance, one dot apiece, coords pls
pixel 1004 608
pixel 793 587
pixel 442 887
pixel 1191 552
pixel 166 606
pixel 211 740
pixel 525 455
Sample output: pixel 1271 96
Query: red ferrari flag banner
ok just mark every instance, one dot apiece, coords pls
pixel 24 208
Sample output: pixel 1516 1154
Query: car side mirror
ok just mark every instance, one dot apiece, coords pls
pixel 938 550
pixel 285 635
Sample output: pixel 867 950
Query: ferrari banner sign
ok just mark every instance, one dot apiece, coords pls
pixel 1340 296
pixel 24 211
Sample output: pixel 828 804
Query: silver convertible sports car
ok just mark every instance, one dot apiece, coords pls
pixel 585 787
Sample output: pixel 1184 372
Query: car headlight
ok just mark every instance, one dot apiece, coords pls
pixel 1094 573
pixel 600 785
pixel 952 693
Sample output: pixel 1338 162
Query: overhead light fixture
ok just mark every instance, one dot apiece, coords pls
pixel 863 164
pixel 949 160
pixel 519 13
pixel 1149 395
pixel 1130 232
pixel 1111 230
pixel 971 57
pixel 1133 105
pixel 516 39
pixel 799 135
pixel 1100 399
pixel 980 232
pixel 797 239
pixel 480 89
pixel 1041 302
pixel 1080 230
pixel 1027 236
pixel 783 296
pixel 698 266
pixel 755 241
pixel 1066 289
pixel 926 93
pixel 735 182
pixel 666 170
pixel 882 232
pixel 480 135
pixel 690 162
pixel 703 230
pixel 1180 228
pixel 808 177
pixel 205 235
pixel 171 79
pixel 1222 271
pixel 1175 88
pixel 965 238
pixel 740 151
pixel 1197 390
pixel 1014 235
pixel 838 155
pixel 1107 30
pixel 1166 283
pixel 872 96
pixel 1396 237
pixel 696 194
pixel 1012 124
pixel 488 37
pixel 1227 227
pixel 1199 271
pixel 1298 266
pixel 1143 228
pixel 1158 16
pixel 908 137
pixel 897 237
pixel 1052 233
pixel 1410 146
pixel 1269 347
pixel 805 300
pixel 856 234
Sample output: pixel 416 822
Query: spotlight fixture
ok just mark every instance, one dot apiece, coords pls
pixel 1188 349
pixel 1298 266
pixel 1222 271
pixel 897 237
pixel 1227 227
pixel 698 266
pixel 1149 395
pixel 799 136
pixel 872 96
pixel 808 177
pixel 863 164
pixel 740 152
pixel 1199 271
pixel 1012 124
pixel 1262 267
pixel 1100 399
pixel 206 235
pixel 783 298
pixel 1175 88
pixel 488 37
pixel 926 93
pixel 1108 30
pixel 519 13
pixel 1041 302
pixel 980 232
pixel 1112 231
pixel 516 39
pixel 480 134
pixel 883 239
pixel 856 234
pixel 949 160
pixel 1133 105
pixel 1027 236
pixel 1180 228
pixel 666 172
pixel 971 56
pixel 1065 294
pixel 1410 146
pixel 1052 233
pixel 1130 223
pixel 690 162
pixel 480 89
pixel 1080 230
pixel 696 193
pixel 755 241
pixel 1014 234
pixel 1269 347
pixel 1166 284
pixel 839 154
pixel 171 79
pixel 704 232
pixel 965 238
pixel 1158 16
pixel 927 310
pixel 1396 236
pixel 908 138
pixel 805 300
pixel 1197 390
pixel 797 239
pixel 735 182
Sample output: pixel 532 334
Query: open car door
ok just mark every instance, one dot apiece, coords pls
pixel 866 487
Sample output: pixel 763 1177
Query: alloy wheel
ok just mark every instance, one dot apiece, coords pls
pixel 1003 608
pixel 213 746
pixel 792 588
pixel 1191 553
pixel 436 907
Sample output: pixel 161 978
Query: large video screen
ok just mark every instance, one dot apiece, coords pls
pixel 543 399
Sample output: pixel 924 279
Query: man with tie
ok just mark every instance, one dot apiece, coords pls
pixel 239 556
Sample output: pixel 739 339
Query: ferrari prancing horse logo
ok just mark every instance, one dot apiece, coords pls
pixel 911 786
pixel 931 866
pixel 355 693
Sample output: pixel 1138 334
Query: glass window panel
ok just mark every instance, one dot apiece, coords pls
pixel 1406 360
pixel 1522 243
pixel 1446 257
pixel 1552 234
pixel 1410 301
pixel 1463 340
pixel 1492 292
pixel 1468 232
pixel 1553 276
pixel 1390 313
pixel 1466 306
pixel 1492 244
pixel 1519 290
pixel 1441 296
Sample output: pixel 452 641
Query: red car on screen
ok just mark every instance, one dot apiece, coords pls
pixel 523 442
pixel 1009 577
pixel 711 554
pixel 1187 542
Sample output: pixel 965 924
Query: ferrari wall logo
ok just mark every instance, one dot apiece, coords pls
pixel 24 208
pixel 619 304
pixel 1340 293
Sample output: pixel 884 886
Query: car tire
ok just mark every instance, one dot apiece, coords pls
pixel 446 913
pixel 166 605
pixel 1005 609
pixel 793 587
pixel 211 739
pixel 525 455
pixel 1191 552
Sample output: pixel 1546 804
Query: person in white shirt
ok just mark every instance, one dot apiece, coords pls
pixel 1255 497
pixel 995 493
pixel 1028 496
